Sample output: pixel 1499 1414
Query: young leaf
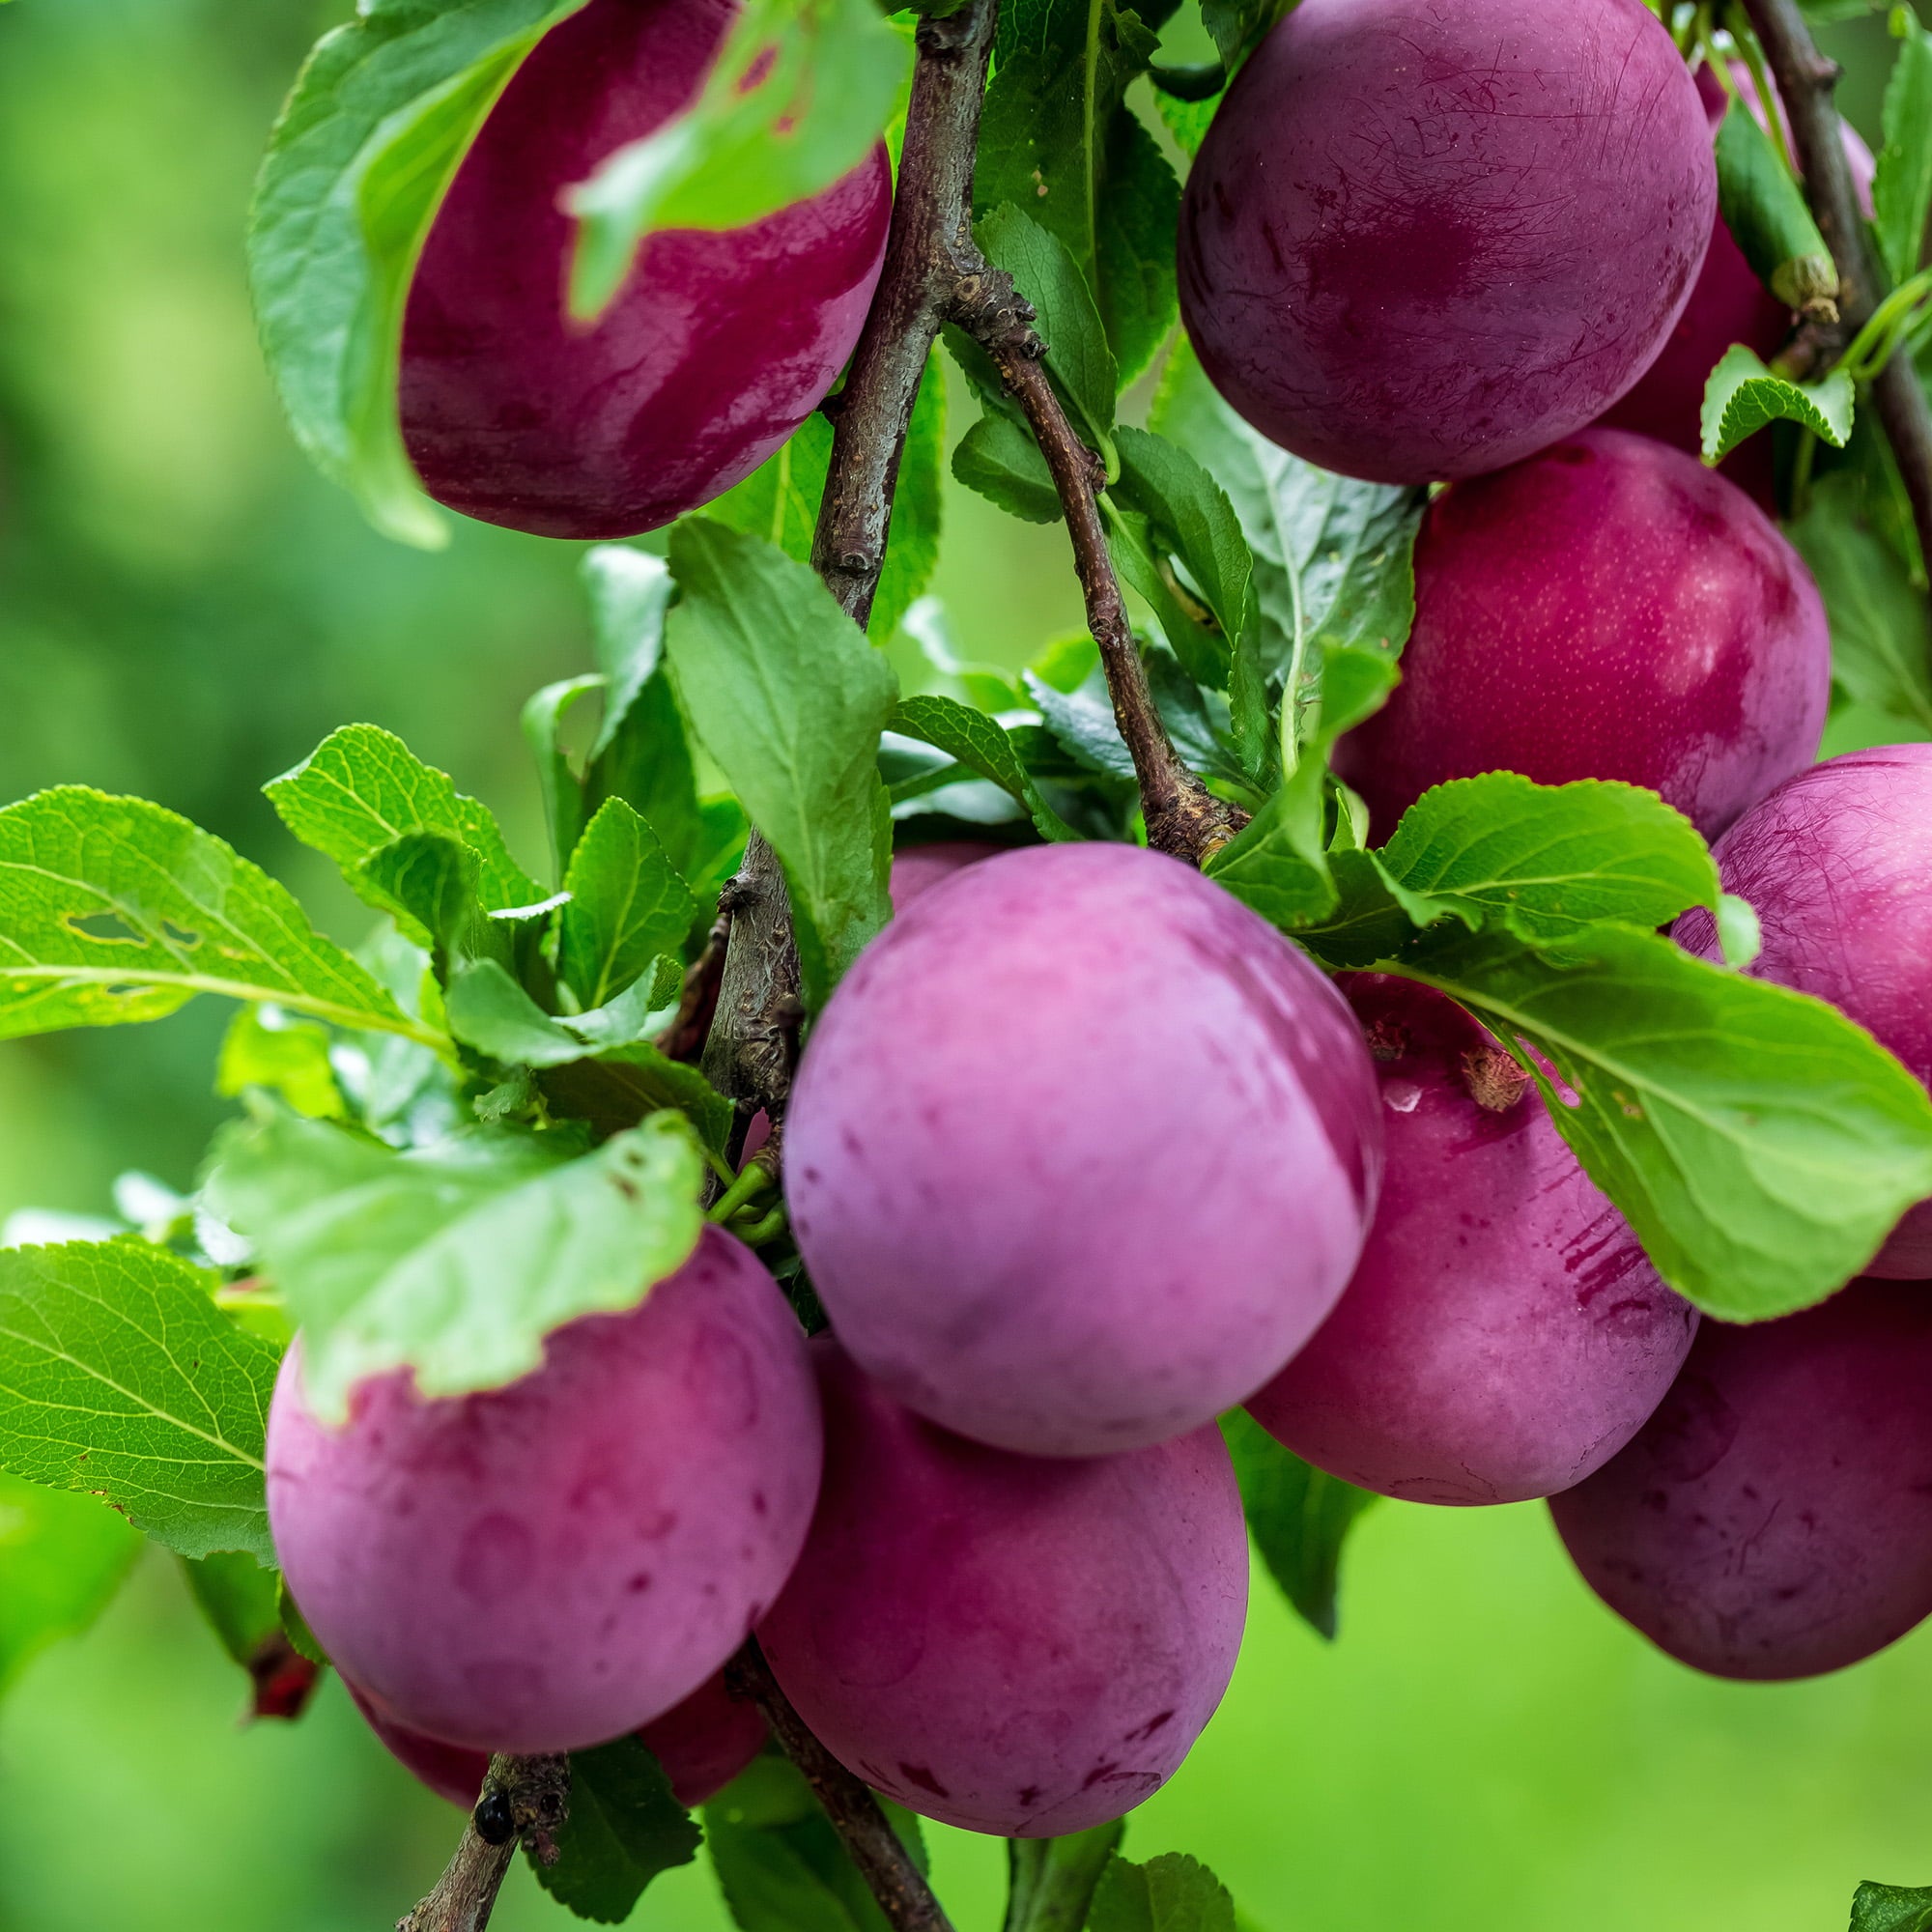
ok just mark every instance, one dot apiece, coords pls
pixel 1050 1880
pixel 430 883
pixel 562 790
pixel 1764 208
pixel 979 742
pixel 458 1261
pixel 490 1012
pixel 62 1558
pixel 1298 1516
pixel 629 590
pixel 119 1376
pixel 623 1829
pixel 1743 396
pixel 789 698
pixel 1892 1907
pixel 627 907
pixel 113 910
pixel 999 459
pixel 1276 864
pixel 1170 1893
pixel 1902 191
pixel 1761 1146
pixel 266 1047
pixel 356 168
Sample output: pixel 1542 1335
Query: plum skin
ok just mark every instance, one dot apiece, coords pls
pixel 1504 1333
pixel 1839 864
pixel 717 347
pixel 1081 1150
pixel 1423 240
pixel 1006 1643
pixel 1607 609
pixel 1774 1519
pixel 542 1566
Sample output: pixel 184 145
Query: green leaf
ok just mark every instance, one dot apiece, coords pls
pixel 778 500
pixel 616 1088
pixel 1170 1893
pixel 1902 192
pixel 1051 1881
pixel 62 1558
pixel 113 910
pixel 267 1047
pixel 627 906
pixel 1298 1516
pixel 1743 396
pixel 1761 1146
pixel 1081 721
pixel 119 1376
pixel 978 742
pixel 562 790
pixel 1135 241
pixel 999 458
pixel 623 1829
pixel 430 883
pixel 240 1598
pixel 629 590
pixel 1881 633
pixel 1892 1907
pixel 1276 864
pixel 789 698
pixel 912 541
pixel 362 790
pixel 800 92
pixel 356 168
pixel 1237 25
pixel 1765 209
pixel 490 1012
pixel 456 1261
pixel 1069 324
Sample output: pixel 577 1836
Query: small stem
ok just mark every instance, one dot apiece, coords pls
pixel 874 1846
pixel 746 1186
pixel 536 1791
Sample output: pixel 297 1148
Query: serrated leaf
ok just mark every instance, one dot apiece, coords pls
pixel 618 1087
pixel 456 1261
pixel 62 1558
pixel 490 1012
pixel 627 906
pixel 999 459
pixel 113 910
pixel 1170 1893
pixel 430 883
pixel 1902 191
pixel 356 168
pixel 1135 241
pixel 1298 1516
pixel 1069 324
pixel 119 1376
pixel 1082 724
pixel 1892 1907
pixel 623 1829
pixel 789 698
pixel 1761 1146
pixel 800 92
pixel 1051 1881
pixel 980 743
pixel 266 1047
pixel 1743 395
pixel 1276 864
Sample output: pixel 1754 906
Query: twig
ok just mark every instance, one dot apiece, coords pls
pixel 1806 81
pixel 874 1847
pixel 525 1800
pixel 755 1031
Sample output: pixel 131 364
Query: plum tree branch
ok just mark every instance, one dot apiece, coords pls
pixel 1806 81
pixel 530 1795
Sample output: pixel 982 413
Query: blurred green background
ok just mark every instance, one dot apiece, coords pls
pixel 185 612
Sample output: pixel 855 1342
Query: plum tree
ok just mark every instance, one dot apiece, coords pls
pixel 1607 609
pixel 1774 1519
pixel 1422 242
pixel 1504 1333
pixel 718 347
pixel 546 1566
pixel 1839 864
pixel 1081 1152
pixel 1008 1643
pixel 702 1745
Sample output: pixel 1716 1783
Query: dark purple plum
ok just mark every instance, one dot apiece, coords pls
pixel 546 1566
pixel 1422 241
pixel 1081 1150
pixel 1504 1333
pixel 1607 609
pixel 717 347
pixel 919 867
pixel 1839 864
pixel 1006 1643
pixel 1774 1519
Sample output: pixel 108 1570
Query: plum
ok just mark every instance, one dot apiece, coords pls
pixel 1504 1333
pixel 702 1745
pixel 1423 240
pixel 1607 609
pixel 1081 1152
pixel 1774 1518
pixel 1839 864
pixel 920 867
pixel 1010 1644
pixel 717 347
pixel 546 1566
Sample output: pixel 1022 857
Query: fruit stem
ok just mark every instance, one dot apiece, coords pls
pixel 1806 81
pixel 883 1860
pixel 534 1794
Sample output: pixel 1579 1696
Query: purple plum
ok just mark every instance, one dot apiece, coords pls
pixel 1504 1334
pixel 1774 1519
pixel 546 1566
pixel 1607 609
pixel 717 347
pixel 1006 1643
pixel 919 867
pixel 1423 240
pixel 1081 1152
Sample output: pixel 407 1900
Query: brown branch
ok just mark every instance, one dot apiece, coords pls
pixel 525 1800
pixel 1807 79
pixel 874 1846
pixel 755 1032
